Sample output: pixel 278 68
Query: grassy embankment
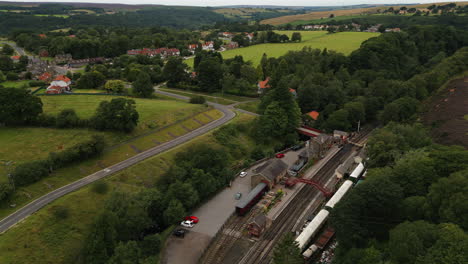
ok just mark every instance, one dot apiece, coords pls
pixel 42 238
pixel 156 126
pixel 344 42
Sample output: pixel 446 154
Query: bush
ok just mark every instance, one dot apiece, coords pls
pixel 119 114
pixel 60 212
pixel 37 83
pixel 197 100
pixel 67 118
pixel 6 189
pixel 80 151
pixel 100 187
pixel 45 120
pixel 30 172
pixel 11 76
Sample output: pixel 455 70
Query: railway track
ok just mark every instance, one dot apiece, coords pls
pixel 261 251
pixel 229 235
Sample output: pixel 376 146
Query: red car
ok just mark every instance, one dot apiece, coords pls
pixel 192 218
pixel 280 155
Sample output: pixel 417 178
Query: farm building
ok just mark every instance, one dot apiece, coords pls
pixel 271 172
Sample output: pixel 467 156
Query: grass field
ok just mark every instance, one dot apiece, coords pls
pixel 249 106
pixel 344 42
pixel 15 84
pixel 324 20
pixel 41 238
pixel 62 16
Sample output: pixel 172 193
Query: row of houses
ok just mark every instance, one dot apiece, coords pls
pixel 352 26
pixel 163 52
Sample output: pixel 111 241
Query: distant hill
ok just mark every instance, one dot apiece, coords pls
pixel 362 10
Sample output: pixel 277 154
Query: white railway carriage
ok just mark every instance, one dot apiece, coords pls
pixel 310 251
pixel 357 172
pixel 311 229
pixel 345 187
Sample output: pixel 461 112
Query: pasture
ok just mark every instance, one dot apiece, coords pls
pixel 22 144
pixel 42 238
pixel 344 42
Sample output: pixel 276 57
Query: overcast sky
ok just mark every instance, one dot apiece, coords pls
pixel 250 2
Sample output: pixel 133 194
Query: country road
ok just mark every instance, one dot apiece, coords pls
pixel 37 204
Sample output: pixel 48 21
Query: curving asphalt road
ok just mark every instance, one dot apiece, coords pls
pixel 37 204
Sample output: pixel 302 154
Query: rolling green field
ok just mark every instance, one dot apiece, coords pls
pixel 344 42
pixel 324 20
pixel 41 238
pixel 22 144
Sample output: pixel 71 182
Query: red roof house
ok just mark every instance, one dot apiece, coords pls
pixel 62 78
pixel 55 90
pixel 15 58
pixel 263 85
pixel 314 115
pixel 42 36
pixel 45 77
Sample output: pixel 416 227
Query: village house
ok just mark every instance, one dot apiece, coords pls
pixel 271 172
pixel 59 85
pixel 45 77
pixel 314 115
pixel 63 58
pixel 192 48
pixel 263 85
pixel 392 30
pixel 231 45
pixel 83 62
pixel 15 58
pixel 293 92
pixel 209 45
pixel 163 52
pixel 250 36
pixel 258 225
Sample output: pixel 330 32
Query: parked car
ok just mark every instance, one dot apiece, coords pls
pixel 192 218
pixel 297 147
pixel 237 196
pixel 187 223
pixel 279 155
pixel 179 232
pixel 243 174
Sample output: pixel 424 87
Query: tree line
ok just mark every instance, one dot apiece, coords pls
pixel 410 209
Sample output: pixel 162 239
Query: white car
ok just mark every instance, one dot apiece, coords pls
pixel 187 224
pixel 243 174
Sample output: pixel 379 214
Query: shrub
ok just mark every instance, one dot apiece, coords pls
pixel 197 100
pixel 60 212
pixel 36 83
pixel 6 189
pixel 11 76
pixel 67 118
pixel 119 114
pixel 100 187
pixel 30 172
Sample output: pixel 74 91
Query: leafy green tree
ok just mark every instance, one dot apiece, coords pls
pixel 450 248
pixel 174 213
pixel 175 71
pixel 6 189
pixel 400 110
pixel 119 114
pixel 273 122
pixel 338 120
pixel 183 192
pixel 249 73
pixel 126 253
pixel 7 50
pixel 67 118
pixel 143 86
pixel 91 80
pixel 409 240
pixel 2 77
pixel 414 172
pixel 18 106
pixel 447 199
pixel 296 37
pixel 151 245
pixel 115 86
pixel 100 243
pixel 287 251
pixel 369 211
pixel 414 208
pixel 209 75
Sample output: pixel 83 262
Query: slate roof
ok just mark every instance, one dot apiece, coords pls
pixel 259 220
pixel 272 169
